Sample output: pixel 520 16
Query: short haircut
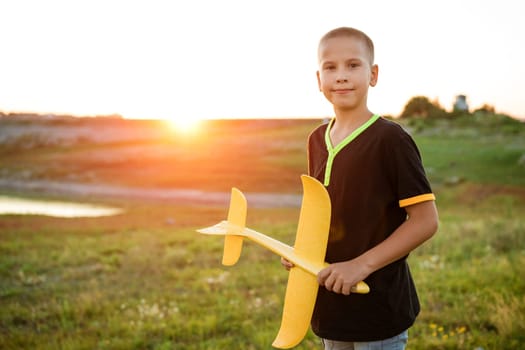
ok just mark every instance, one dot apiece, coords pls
pixel 350 32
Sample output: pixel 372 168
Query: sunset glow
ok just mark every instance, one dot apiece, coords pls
pixel 184 125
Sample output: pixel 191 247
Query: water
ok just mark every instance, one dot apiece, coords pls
pixel 22 206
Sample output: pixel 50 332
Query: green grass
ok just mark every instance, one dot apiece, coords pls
pixel 146 280
pixel 469 275
pixel 135 281
pixel 478 160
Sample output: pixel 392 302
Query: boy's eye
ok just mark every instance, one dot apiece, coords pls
pixel 354 65
pixel 330 67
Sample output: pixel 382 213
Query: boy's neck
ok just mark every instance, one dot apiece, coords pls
pixel 347 121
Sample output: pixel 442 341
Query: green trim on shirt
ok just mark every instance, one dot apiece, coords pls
pixel 332 151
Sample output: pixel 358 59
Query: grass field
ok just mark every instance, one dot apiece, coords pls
pixel 145 280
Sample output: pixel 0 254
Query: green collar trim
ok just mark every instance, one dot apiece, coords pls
pixel 332 151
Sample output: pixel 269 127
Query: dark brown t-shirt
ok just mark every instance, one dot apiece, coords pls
pixel 370 179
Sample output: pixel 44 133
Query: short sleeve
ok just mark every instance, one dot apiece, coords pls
pixel 317 153
pixel 406 170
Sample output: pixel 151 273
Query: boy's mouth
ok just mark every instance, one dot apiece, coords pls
pixel 342 91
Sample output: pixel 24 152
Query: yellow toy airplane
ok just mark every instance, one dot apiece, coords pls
pixel 307 255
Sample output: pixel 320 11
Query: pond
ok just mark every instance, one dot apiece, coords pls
pixel 24 206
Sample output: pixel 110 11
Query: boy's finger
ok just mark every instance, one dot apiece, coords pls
pixel 330 282
pixel 347 289
pixel 323 275
pixel 287 264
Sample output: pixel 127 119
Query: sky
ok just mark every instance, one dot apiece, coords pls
pixel 200 59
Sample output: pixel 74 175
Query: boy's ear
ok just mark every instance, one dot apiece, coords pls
pixel 374 74
pixel 318 80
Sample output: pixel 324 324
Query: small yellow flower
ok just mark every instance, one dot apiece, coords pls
pixel 461 329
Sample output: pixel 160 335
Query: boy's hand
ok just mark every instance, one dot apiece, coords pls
pixel 341 277
pixel 287 265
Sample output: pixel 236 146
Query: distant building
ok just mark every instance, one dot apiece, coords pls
pixel 461 104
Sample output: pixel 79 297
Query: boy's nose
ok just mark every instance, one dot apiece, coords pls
pixel 341 80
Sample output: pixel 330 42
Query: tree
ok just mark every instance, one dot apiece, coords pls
pixel 422 107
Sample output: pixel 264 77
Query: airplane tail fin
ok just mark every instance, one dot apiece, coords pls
pixel 237 222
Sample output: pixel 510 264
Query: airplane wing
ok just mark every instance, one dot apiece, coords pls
pixel 310 244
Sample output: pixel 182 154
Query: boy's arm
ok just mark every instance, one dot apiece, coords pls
pixel 421 224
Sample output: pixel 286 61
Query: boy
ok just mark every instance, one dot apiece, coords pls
pixel 382 205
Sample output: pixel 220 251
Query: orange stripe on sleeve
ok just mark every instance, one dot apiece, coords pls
pixel 417 199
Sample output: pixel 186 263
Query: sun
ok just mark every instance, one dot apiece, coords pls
pixel 185 125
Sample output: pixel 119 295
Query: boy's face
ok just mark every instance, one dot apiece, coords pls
pixel 345 72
